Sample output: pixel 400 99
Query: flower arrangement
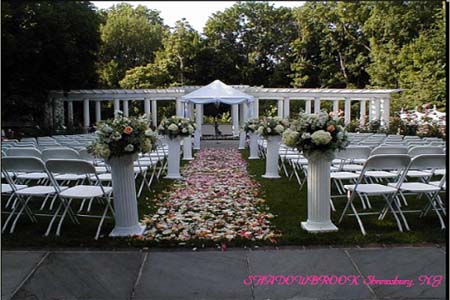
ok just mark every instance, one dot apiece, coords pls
pixel 312 133
pixel 272 126
pixel 176 126
pixel 251 125
pixel 122 135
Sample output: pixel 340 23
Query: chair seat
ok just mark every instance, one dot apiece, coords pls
pixel 33 176
pixel 101 170
pixel 145 163
pixel 380 174
pixel 139 169
pixel 436 183
pixel 352 167
pixel 440 172
pixel 6 188
pixel 85 191
pixel 39 190
pixel 414 173
pixel 417 187
pixel 371 189
pixel 102 177
pixel 360 160
pixel 69 177
pixel 343 175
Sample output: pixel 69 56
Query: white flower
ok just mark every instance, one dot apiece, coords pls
pixel 116 136
pixel 290 137
pixel 149 132
pixel 269 130
pixel 173 127
pixel 184 130
pixel 279 129
pixel 260 130
pixel 306 135
pixel 107 129
pixel 321 137
pixel 129 148
pixel 190 129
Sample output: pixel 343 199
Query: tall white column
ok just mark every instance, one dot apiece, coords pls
pixel 116 105
pixel 371 109
pixel 316 105
pixel 86 114
pixel 155 113
pixel 70 113
pixel 179 108
pixel 235 117
pixel 336 107
pixel 98 111
pixel 386 111
pixel 242 118
pixel 280 112
pixel 286 108
pixel 377 109
pixel 256 108
pixel 198 121
pixel 362 113
pixel 125 108
pixel 308 106
pixel 147 109
pixel 347 111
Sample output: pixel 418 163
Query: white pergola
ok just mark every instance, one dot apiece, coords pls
pixel 378 101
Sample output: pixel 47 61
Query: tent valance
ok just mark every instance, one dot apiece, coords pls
pixel 217 92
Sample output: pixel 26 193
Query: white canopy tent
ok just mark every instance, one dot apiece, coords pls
pixel 219 92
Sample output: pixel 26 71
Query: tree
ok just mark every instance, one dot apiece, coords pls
pixel 175 63
pixel 331 50
pixel 130 37
pixel 251 43
pixel 46 45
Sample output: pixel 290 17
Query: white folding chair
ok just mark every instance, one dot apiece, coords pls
pixel 81 191
pixel 431 191
pixel 24 194
pixel 389 193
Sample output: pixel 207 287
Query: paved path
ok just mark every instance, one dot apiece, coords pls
pixel 219 275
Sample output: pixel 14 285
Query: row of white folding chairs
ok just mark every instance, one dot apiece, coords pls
pixel 22 194
pixel 392 191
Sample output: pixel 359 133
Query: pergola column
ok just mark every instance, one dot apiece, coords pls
pixel 147 109
pixel 98 111
pixel 116 106
pixel 154 113
pixel 347 111
pixel 385 106
pixel 125 108
pixel 198 121
pixel 179 108
pixel 280 108
pixel 235 117
pixel 286 108
pixel 256 108
pixel 362 113
pixel 308 106
pixel 70 113
pixel 86 112
pixel 336 108
pixel 316 105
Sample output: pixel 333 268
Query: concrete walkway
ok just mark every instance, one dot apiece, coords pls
pixel 233 274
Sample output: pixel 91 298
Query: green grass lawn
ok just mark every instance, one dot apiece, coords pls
pixel 285 200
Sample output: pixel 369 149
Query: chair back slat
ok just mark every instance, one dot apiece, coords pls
pixel 428 161
pixel 24 152
pixel 70 166
pixel 387 162
pixel 389 150
pixel 23 164
pixel 63 153
pixel 418 150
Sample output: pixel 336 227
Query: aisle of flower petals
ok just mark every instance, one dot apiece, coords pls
pixel 218 201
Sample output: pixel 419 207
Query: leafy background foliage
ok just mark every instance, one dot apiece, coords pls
pixel 72 45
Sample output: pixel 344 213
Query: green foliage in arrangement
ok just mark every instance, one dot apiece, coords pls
pixel 176 126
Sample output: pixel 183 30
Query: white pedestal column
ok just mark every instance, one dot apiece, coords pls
pixel 173 160
pixel 125 203
pixel 187 148
pixel 253 146
pixel 319 195
pixel 242 137
pixel 273 146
